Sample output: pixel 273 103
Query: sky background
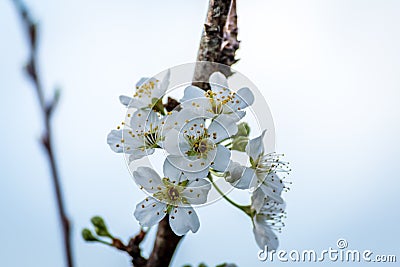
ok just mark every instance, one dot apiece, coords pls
pixel 329 71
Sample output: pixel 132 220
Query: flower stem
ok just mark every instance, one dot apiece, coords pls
pixel 245 209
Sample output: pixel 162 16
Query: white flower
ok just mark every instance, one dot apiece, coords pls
pixel 268 217
pixel 261 173
pixel 142 136
pixel 148 92
pixel 174 194
pixel 219 101
pixel 194 146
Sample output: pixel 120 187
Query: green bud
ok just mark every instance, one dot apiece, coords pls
pixel 88 236
pixel 100 227
pixel 243 129
pixel 239 143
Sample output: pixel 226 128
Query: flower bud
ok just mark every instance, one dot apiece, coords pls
pixel 243 129
pixel 100 227
pixel 239 143
pixel 88 236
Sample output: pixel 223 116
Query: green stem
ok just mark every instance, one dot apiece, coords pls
pixel 245 209
pixel 102 242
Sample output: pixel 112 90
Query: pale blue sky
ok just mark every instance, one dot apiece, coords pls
pixel 328 69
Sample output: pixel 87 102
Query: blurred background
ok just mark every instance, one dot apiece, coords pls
pixel 328 69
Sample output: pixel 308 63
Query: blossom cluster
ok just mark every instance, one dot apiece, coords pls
pixel 198 138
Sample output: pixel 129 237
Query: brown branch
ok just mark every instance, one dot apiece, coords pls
pixel 218 41
pixel 133 248
pixel 230 43
pixel 164 246
pixel 47 109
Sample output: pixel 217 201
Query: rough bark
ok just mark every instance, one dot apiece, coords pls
pixel 164 246
pixel 218 41
pixel 230 43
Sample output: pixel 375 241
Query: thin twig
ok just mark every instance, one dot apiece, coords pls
pixel 46 108
pixel 133 248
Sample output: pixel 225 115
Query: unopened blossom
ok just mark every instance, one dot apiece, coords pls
pixel 148 93
pixel 194 144
pixel 173 195
pixel 267 218
pixel 141 136
pixel 262 171
pixel 219 101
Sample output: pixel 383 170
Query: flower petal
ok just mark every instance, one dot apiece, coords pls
pixel 197 168
pixel 263 233
pixel 114 141
pixel 125 100
pixel 257 200
pixel 148 179
pixel 183 219
pixel 192 92
pixel 247 180
pixel 217 78
pixel 221 128
pixel 170 171
pixel 142 81
pixel 171 142
pixel 130 102
pixel 255 147
pixel 165 83
pixel 121 141
pixel 245 97
pixel 196 191
pixel 235 171
pixel 222 159
pixel 139 153
pixel 150 212
pixel 201 107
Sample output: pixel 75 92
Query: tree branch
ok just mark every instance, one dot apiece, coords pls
pixel 164 246
pixel 230 43
pixel 46 109
pixel 218 41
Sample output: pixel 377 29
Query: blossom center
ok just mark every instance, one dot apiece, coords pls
pixel 173 193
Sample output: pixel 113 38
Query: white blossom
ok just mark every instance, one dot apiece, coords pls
pixel 148 92
pixel 194 144
pixel 268 215
pixel 174 194
pixel 219 101
pixel 144 133
pixel 262 171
